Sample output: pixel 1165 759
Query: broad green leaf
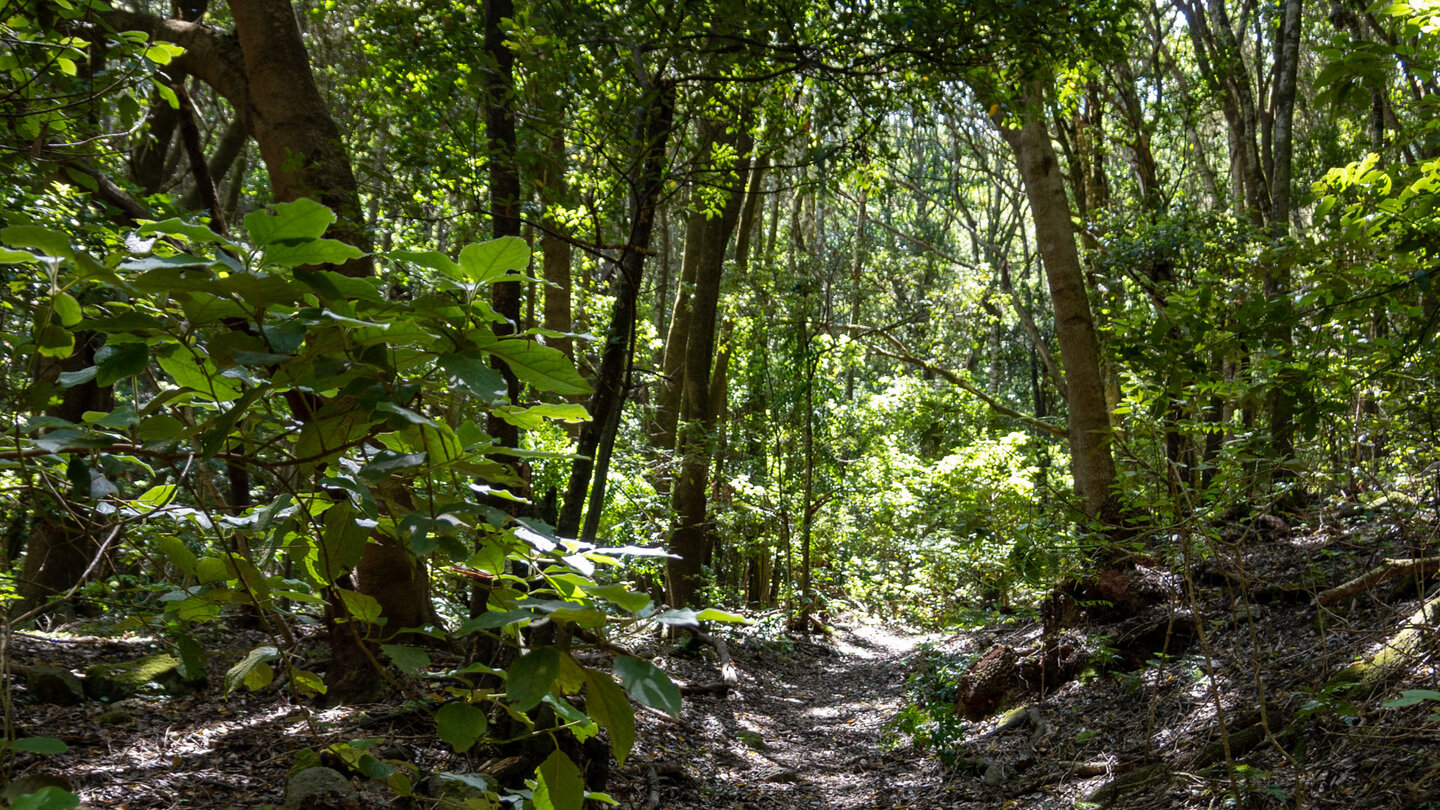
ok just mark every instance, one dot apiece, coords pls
pixel 387 462
pixel 648 684
pixel 429 258
pixel 529 679
pixel 439 443
pixel 67 309
pixel 619 595
pixel 1410 697
pixel 70 379
pixel 460 725
pixel 163 53
pixel 309 683
pixel 117 361
pixel 714 615
pixel 360 606
pixel 310 253
pixel 475 374
pixel 558 785
pixel 158 496
pixel 54 341
pixel 161 427
pixel 544 367
pixel 489 261
pixel 606 703
pixel 178 554
pixel 343 544
pixel 210 570
pixel 188 373
pixel 39 745
pixel 46 798
pixel 9 256
pixel 187 231
pixel 408 659
pixel 52 242
pixel 561 412
pixel 335 429
pixel 253 671
pixel 302 219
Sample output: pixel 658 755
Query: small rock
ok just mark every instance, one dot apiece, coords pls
pixel 315 782
pixel 782 775
pixel 56 685
pixel 456 787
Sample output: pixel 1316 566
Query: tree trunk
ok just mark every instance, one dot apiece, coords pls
pixel 298 139
pixel 651 137
pixel 693 444
pixel 1089 430
pixel 555 247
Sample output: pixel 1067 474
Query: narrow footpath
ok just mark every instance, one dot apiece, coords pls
pixel 809 726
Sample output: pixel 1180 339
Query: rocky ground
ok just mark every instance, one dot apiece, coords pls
pixel 1227 692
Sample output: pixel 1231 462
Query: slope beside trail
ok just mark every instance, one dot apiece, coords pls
pixel 808 726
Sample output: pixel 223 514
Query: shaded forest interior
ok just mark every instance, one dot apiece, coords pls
pixel 548 376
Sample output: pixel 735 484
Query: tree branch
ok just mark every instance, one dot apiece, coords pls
pixel 904 355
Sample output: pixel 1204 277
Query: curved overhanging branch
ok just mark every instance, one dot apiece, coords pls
pixel 903 354
pixel 211 54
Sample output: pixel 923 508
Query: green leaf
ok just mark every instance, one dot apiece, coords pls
pixel 309 683
pixel 408 659
pixel 253 671
pixel 117 361
pixel 491 261
pixel 52 242
pixel 460 725
pixel 607 705
pixel 302 219
pixel 46 798
pixel 529 679
pixel 343 541
pixel 310 253
pixel 360 606
pixel 161 427
pixel 620 595
pixel 67 309
pixel 8 256
pixel 475 374
pixel 189 231
pixel 429 258
pixel 156 497
pixel 546 368
pixel 714 615
pixel 186 372
pixel 54 341
pixel 163 53
pixel 70 379
pixel 558 785
pixel 1410 697
pixel 648 684
pixel 39 745
pixel 178 554
pixel 210 570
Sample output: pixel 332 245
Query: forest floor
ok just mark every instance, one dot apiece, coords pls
pixel 865 716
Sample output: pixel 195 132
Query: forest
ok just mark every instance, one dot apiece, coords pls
pixel 719 404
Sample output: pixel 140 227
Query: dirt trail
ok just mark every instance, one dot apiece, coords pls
pixel 806 728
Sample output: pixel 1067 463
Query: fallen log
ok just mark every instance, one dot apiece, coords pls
pixel 1385 571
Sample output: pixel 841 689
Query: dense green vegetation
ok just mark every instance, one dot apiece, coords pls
pixel 392 326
